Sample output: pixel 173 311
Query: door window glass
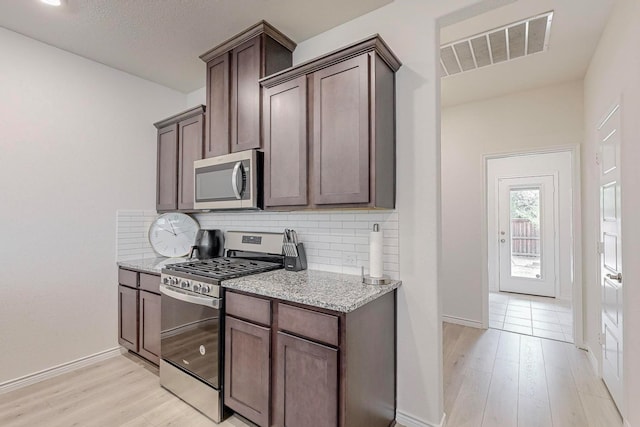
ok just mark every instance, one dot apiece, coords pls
pixel 525 233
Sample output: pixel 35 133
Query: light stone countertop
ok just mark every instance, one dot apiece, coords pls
pixel 150 265
pixel 333 291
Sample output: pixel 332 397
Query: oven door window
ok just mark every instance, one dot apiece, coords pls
pixel 190 338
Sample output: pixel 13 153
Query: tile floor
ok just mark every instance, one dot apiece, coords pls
pixel 531 315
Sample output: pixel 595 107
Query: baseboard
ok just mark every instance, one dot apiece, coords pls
pixel 45 374
pixel 407 420
pixel 462 321
pixel 594 361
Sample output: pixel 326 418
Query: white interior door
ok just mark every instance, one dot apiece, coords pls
pixel 527 235
pixel 611 253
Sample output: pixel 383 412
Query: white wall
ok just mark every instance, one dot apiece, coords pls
pixel 410 29
pixel 197 97
pixel 77 143
pixel 614 72
pixel 52 318
pixel 545 117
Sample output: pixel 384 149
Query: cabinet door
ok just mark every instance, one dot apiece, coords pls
pixel 218 90
pixel 189 150
pixel 150 326
pixel 128 318
pixel 245 96
pixel 166 184
pixel 341 132
pixel 306 383
pixel 285 143
pixel 246 369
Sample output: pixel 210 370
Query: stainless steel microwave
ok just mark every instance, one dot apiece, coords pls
pixel 231 181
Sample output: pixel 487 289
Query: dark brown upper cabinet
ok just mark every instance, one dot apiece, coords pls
pixel 347 119
pixel 234 69
pixel 180 143
pixel 217 129
pixel 285 143
pixel 341 132
pixel 167 168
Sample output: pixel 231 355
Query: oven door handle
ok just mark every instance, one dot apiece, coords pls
pixel 190 298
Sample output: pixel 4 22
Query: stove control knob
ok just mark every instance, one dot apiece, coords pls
pixel 184 284
pixel 197 287
pixel 206 289
pixel 172 281
pixel 166 280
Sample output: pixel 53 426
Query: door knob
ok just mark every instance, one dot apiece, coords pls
pixel 502 240
pixel 617 277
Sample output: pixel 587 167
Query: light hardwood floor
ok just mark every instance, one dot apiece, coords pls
pixel 496 378
pixel 492 379
pixel 122 391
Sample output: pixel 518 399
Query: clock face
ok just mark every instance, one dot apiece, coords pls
pixel 173 234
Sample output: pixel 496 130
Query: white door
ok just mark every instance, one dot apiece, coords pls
pixel 527 235
pixel 611 253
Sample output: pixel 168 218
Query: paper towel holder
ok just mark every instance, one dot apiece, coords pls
pixel 368 280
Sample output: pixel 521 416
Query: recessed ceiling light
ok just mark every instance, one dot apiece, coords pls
pixel 52 2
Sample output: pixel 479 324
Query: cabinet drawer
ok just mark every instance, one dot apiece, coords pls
pixel 128 278
pixel 150 282
pixel 310 324
pixel 249 308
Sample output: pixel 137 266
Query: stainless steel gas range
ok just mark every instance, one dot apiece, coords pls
pixel 192 325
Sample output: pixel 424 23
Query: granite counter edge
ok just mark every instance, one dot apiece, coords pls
pixel 135 265
pixel 385 289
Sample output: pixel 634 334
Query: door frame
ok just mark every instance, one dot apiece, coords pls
pixel 576 242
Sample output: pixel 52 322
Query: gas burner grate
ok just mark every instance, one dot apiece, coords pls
pixel 224 268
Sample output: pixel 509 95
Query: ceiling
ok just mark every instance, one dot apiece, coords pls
pixel 161 40
pixel 575 31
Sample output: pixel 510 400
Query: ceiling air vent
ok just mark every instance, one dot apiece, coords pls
pixel 498 45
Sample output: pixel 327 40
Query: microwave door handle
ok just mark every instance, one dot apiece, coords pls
pixel 234 180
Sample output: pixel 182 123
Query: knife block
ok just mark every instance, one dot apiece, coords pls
pixel 296 263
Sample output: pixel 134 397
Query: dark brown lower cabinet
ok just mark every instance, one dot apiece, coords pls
pixel 306 384
pixel 149 326
pixel 128 317
pixel 247 369
pixel 139 313
pixel 308 366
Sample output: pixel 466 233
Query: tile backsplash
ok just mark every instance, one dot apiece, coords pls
pixel 334 240
pixel 132 234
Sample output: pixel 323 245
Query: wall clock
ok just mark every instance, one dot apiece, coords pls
pixel 173 234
